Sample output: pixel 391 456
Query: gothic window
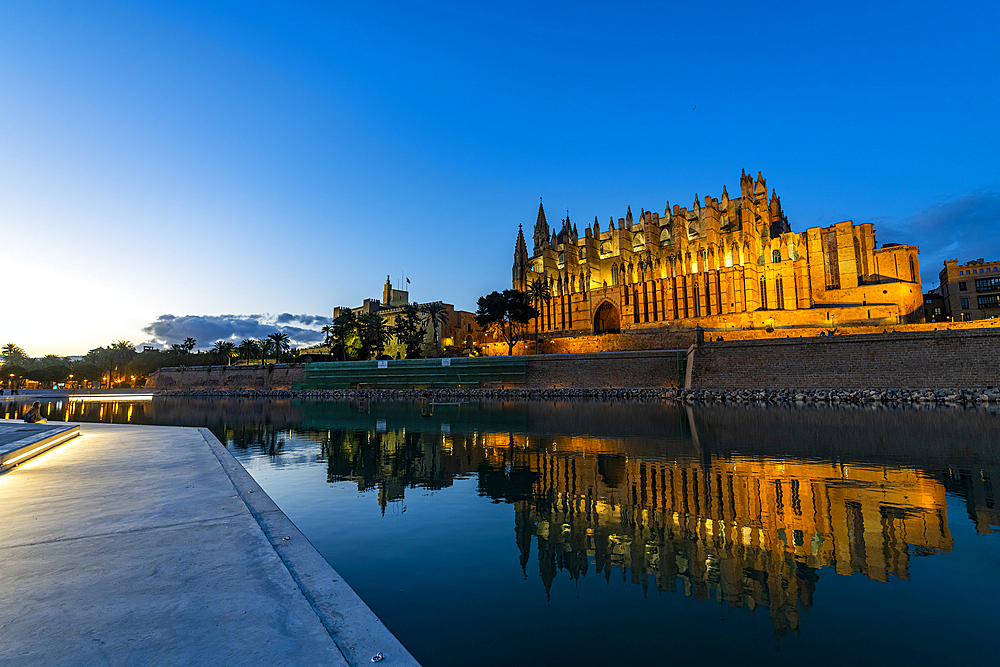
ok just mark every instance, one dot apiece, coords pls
pixel 913 274
pixel 763 294
pixel 614 274
pixel 776 256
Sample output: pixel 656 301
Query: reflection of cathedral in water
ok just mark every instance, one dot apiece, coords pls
pixel 744 531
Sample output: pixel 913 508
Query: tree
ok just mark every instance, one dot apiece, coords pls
pixel 280 343
pixel 539 292
pixel 12 353
pixel 409 329
pixel 247 348
pixel 374 334
pixel 264 347
pixel 225 350
pixel 436 314
pixel 187 346
pixel 344 332
pixel 111 360
pixel 505 315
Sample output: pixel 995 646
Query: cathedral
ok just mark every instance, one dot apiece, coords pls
pixel 722 264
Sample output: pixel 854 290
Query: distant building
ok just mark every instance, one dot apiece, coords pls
pixel 724 263
pixel 970 291
pixel 459 334
pixel 934 307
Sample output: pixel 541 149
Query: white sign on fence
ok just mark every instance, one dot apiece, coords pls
pixel 384 363
pixel 446 362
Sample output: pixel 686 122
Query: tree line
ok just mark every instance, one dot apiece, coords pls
pixel 118 364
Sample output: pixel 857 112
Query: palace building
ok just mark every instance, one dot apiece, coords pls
pixel 722 264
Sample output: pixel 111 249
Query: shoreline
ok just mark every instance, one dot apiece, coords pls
pixel 873 397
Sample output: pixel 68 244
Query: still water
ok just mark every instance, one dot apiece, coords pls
pixel 596 533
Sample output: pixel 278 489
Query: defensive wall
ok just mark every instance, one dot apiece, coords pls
pixel 946 358
pixel 261 378
pixel 952 355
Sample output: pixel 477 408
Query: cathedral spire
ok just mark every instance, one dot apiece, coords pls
pixel 628 216
pixel 520 270
pixel 541 234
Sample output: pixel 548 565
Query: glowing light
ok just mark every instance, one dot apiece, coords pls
pixel 112 397
pixel 47 445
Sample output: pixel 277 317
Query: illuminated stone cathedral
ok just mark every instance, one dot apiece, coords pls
pixel 722 264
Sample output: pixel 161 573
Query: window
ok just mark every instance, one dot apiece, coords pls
pixel 989 301
pixel 937 311
pixel 965 303
pixel 775 255
pixel 987 284
pixel 928 301
pixel 962 287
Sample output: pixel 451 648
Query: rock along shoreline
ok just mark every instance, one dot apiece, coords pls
pixel 892 397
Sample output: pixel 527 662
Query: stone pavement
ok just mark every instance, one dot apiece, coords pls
pixel 151 545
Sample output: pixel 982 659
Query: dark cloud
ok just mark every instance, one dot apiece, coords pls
pixel 306 320
pixel 206 329
pixel 963 229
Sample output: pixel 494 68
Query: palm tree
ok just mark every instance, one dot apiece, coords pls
pixel 539 292
pixel 374 333
pixel 246 348
pixel 436 314
pixel 280 342
pixel 341 330
pixel 264 347
pixel 12 353
pixel 224 349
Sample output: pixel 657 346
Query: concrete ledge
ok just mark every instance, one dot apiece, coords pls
pixel 357 631
pixel 21 442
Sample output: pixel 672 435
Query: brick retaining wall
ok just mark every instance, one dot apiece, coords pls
pixel 271 376
pixel 904 360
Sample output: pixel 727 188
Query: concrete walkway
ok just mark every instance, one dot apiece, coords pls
pixel 151 545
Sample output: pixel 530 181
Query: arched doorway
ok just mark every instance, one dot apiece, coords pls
pixel 606 319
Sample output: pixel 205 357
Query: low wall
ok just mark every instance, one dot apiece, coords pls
pixel 271 376
pixel 650 368
pixel 905 360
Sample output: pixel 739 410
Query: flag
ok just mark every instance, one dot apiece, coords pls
pixel 407 281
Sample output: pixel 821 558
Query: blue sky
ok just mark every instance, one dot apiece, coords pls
pixel 219 162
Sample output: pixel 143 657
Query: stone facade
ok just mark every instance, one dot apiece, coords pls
pixel 970 291
pixel 723 264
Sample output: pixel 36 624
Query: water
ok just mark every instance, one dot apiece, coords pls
pixel 621 533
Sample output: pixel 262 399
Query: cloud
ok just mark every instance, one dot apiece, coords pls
pixel 962 229
pixel 206 329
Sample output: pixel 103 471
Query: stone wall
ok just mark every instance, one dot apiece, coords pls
pixel 271 376
pixel 652 368
pixel 905 360
pixel 627 341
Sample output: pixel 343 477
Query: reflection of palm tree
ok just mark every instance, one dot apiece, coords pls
pixel 539 292
pixel 436 314
pixel 280 343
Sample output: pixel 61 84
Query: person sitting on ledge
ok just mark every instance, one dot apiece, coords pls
pixel 34 415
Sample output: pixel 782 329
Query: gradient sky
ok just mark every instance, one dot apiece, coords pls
pixel 184 167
